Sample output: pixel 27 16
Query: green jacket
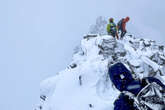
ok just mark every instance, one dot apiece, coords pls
pixel 111 27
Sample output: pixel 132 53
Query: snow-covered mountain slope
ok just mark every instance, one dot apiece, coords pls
pixel 85 84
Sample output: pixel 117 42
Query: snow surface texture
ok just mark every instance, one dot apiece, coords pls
pixel 85 84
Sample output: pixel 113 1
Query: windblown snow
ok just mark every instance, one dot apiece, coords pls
pixel 85 84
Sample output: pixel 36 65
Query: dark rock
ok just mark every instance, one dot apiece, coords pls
pixel 123 54
pixel 115 57
pixel 89 36
pixel 161 47
pixel 90 105
pixel 40 107
pixel 141 39
pixel 159 72
pixel 131 67
pixel 130 35
pixel 73 65
pixel 100 47
pixel 146 45
pixel 100 52
pixel 130 42
pixel 43 97
pixel 80 80
pixel 157 59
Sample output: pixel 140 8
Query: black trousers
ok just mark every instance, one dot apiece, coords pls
pixel 122 33
pixel 112 33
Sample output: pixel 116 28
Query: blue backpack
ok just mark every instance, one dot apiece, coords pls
pixel 122 78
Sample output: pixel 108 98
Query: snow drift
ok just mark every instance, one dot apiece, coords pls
pixel 85 84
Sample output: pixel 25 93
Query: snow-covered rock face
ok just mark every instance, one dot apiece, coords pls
pixel 85 84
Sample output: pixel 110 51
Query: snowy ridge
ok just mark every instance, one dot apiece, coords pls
pixel 85 84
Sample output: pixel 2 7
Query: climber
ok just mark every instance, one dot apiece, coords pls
pixel 122 79
pixel 111 28
pixel 121 25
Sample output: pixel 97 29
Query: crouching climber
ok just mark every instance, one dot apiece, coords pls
pixel 139 94
pixel 111 28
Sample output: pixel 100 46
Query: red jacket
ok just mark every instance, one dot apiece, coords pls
pixel 124 24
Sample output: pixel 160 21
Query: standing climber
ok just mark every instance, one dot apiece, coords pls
pixel 122 26
pixel 111 28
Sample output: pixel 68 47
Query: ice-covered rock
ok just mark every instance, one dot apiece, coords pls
pixel 85 84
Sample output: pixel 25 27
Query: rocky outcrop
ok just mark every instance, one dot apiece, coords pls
pixel 88 71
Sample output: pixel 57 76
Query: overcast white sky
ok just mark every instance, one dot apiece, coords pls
pixel 37 38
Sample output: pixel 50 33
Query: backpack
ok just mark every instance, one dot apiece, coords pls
pixel 120 76
pixel 111 27
pixel 119 24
